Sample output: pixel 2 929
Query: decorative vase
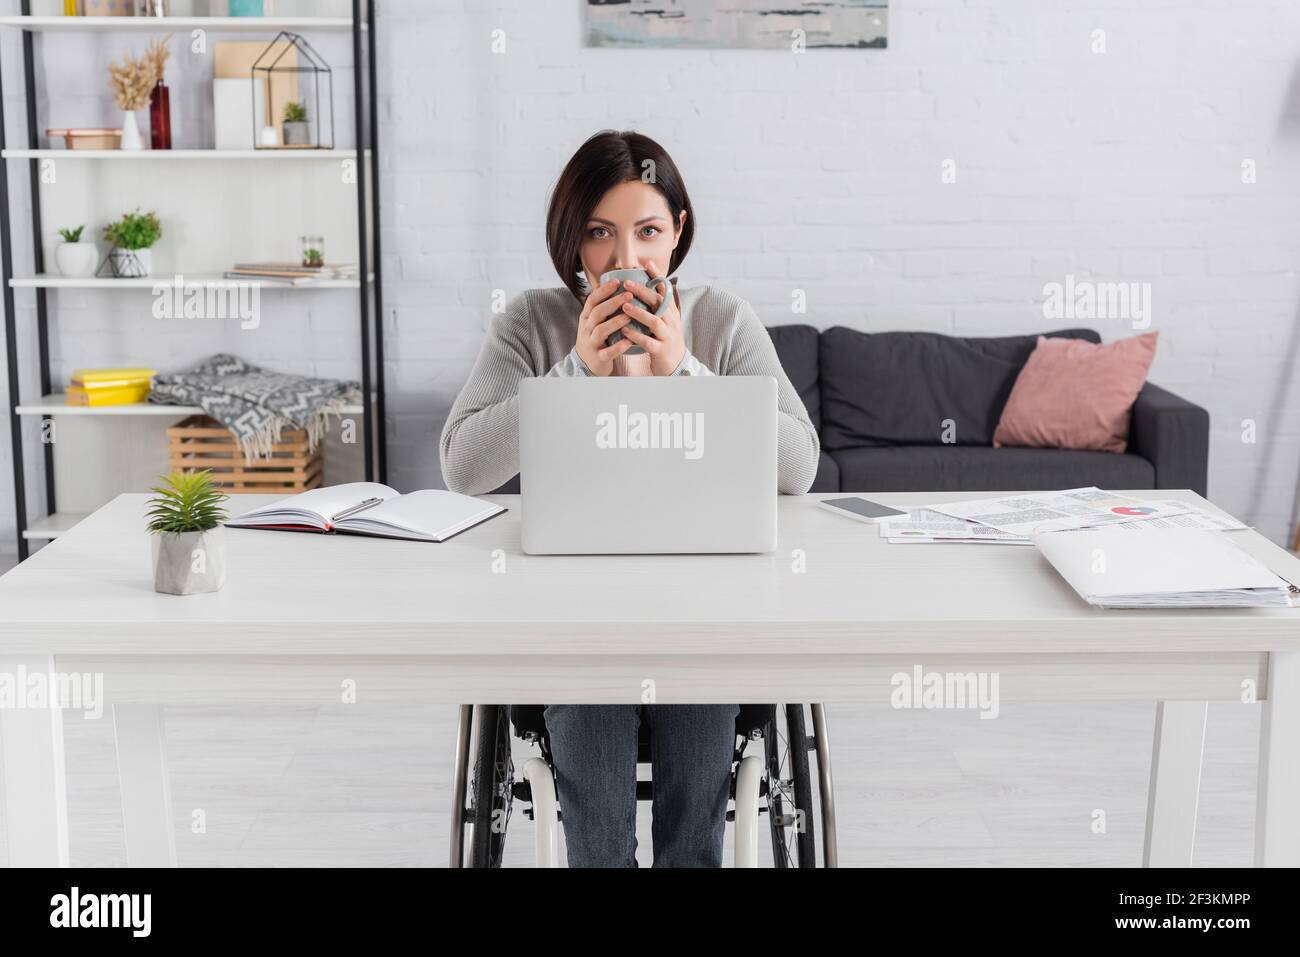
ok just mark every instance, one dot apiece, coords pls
pixel 245 8
pixel 131 263
pixel 160 118
pixel 130 132
pixel 75 260
pixel 297 134
pixel 189 563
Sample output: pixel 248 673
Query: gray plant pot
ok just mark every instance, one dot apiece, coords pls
pixel 297 134
pixel 189 563
pixel 131 263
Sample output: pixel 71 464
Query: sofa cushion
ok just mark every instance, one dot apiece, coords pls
pixel 828 475
pixel 946 468
pixel 1076 395
pixel 797 348
pixel 899 388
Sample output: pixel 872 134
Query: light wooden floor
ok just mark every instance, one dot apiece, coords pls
pixel 369 785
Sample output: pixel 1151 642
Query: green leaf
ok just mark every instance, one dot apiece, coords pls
pixel 186 502
pixel 134 231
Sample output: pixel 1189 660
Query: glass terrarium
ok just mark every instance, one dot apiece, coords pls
pixel 313 251
pixel 297 90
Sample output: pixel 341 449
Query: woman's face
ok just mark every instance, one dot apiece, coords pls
pixel 630 226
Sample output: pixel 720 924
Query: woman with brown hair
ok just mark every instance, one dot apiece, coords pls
pixel 621 203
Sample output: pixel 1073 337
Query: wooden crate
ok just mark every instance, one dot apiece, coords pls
pixel 198 442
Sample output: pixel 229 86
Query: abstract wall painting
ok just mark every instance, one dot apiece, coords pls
pixel 737 24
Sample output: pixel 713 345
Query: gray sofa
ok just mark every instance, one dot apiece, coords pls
pixel 882 403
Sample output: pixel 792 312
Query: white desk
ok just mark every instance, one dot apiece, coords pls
pixel 474 620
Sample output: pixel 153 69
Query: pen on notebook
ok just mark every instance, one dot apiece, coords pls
pixel 375 500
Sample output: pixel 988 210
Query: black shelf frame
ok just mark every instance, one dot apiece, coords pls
pixel 371 326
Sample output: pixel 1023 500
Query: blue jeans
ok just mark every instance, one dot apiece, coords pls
pixel 594 749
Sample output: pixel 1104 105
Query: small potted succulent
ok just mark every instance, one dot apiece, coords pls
pixel 313 251
pixel 297 131
pixel 72 256
pixel 133 237
pixel 188 546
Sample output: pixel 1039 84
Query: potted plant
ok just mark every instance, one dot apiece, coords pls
pixel 297 131
pixel 133 237
pixel 72 256
pixel 132 82
pixel 313 251
pixel 188 548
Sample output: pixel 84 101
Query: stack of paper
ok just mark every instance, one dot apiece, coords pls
pixel 291 273
pixel 1173 568
pixel 922 525
pixel 1012 520
pixel 1031 512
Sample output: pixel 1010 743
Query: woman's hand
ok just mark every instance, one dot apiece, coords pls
pixel 595 326
pixel 665 344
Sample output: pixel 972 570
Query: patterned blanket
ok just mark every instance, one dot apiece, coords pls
pixel 254 403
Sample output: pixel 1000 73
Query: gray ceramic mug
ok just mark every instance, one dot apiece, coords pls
pixel 642 277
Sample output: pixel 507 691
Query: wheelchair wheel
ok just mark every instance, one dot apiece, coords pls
pixel 491 792
pixel 789 789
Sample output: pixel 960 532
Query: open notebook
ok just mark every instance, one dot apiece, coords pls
pixel 368 508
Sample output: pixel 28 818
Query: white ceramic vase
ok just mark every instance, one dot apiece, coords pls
pixel 131 139
pixel 75 260
pixel 189 563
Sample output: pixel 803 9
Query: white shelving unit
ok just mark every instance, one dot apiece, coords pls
pixel 121 447
pixel 188 281
pixel 270 25
pixel 56 403
pixel 264 155
pixel 52 526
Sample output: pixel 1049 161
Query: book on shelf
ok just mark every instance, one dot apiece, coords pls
pixel 323 271
pixel 129 395
pixel 369 508
pixel 111 378
pixel 93 387
pixel 286 279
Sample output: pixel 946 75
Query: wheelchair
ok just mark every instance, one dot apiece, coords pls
pixel 778 783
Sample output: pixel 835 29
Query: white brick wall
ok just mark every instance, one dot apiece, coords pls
pixel 822 172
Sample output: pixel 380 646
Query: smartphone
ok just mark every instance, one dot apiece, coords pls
pixel 862 509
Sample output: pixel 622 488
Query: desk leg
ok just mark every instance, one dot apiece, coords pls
pixel 35 785
pixel 1277 810
pixel 146 788
pixel 1175 787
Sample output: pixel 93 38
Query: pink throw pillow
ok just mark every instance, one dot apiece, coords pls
pixel 1075 394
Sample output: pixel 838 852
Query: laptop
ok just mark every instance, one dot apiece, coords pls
pixel 639 465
